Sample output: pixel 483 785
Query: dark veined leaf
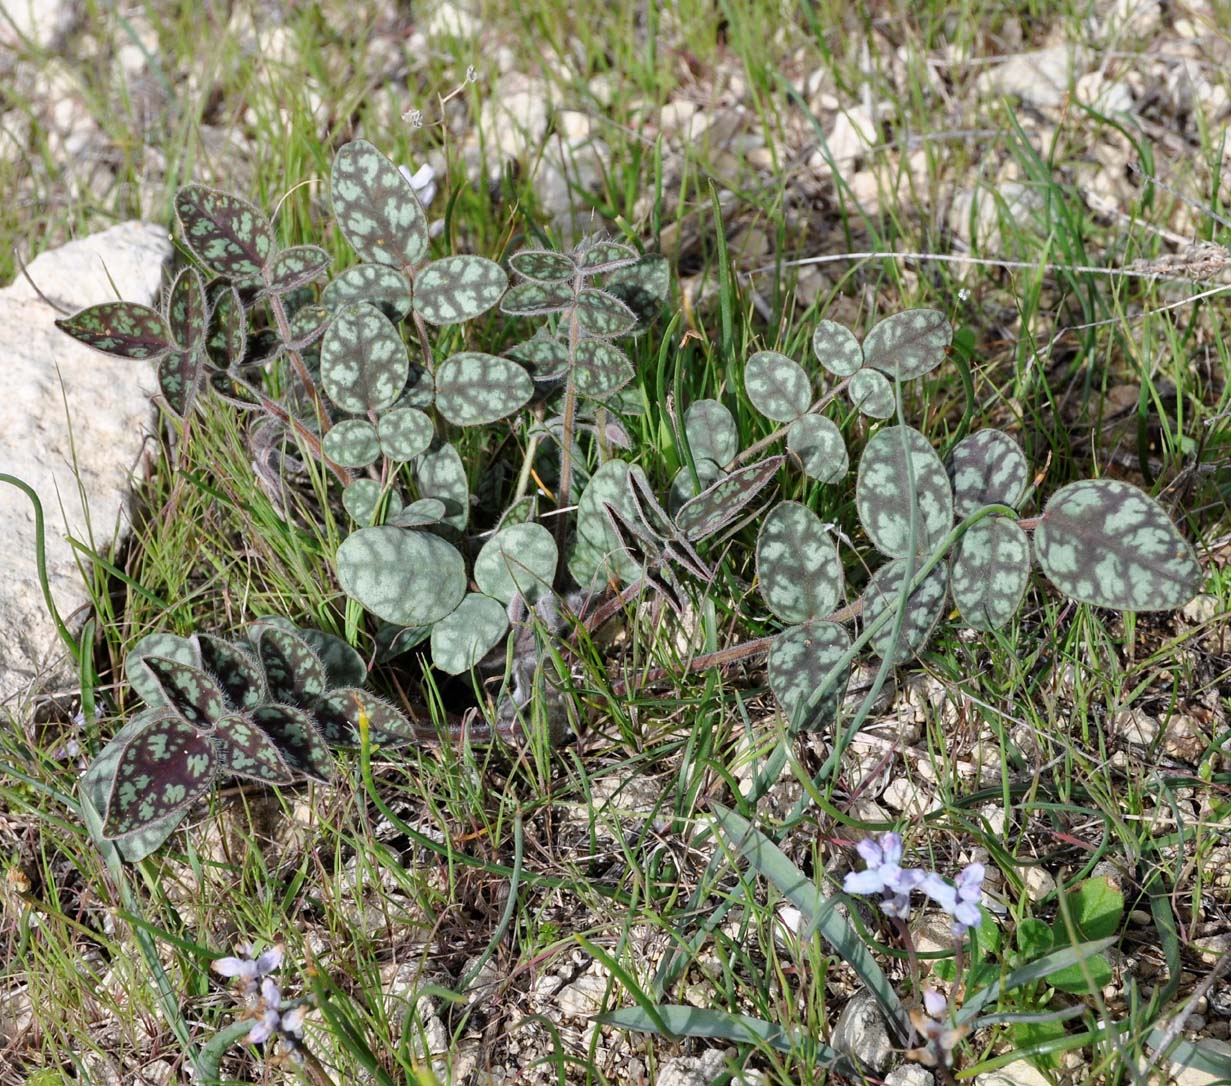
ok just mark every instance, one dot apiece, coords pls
pixel 837 349
pixel 987 468
pixel 542 265
pixel 404 433
pixel 343 665
pixel 473 389
pixel 440 473
pixel 597 551
pixel 777 386
pixel 818 444
pixel 602 314
pixel 884 495
pixel 123 329
pixel 1109 544
pixel 247 751
pixel 376 207
pixel 189 691
pixel 536 299
pixel 228 235
pixel 364 364
pixel 989 572
pixel 362 499
pixel 294 267
pixel 601 368
pixel 720 503
pixel 377 284
pixel 642 286
pixel 800 658
pixel 188 309
pixel 338 712
pixel 460 640
pixel 458 288
pixel 179 379
pixel 227 344
pixel 543 353
pixel 682 487
pixel 520 512
pixel 419 514
pixel 711 432
pixel 234 669
pixel 352 443
pixel 798 569
pixel 909 344
pixel 519 559
pixel 293 672
pixel 923 608
pixel 872 394
pixel 168 646
pixel 410 578
pixel 297 738
pixel 604 256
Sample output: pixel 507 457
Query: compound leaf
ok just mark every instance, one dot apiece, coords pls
pixel 474 388
pixel 799 660
pixel 520 559
pixel 167 765
pixel 228 235
pixel 818 443
pixel 377 284
pixel 777 386
pixel 987 468
pixel 409 578
pixel 123 329
pixel 908 344
pixel 872 394
pixel 462 639
pixel 364 364
pixel 923 608
pixel 376 207
pixel 798 568
pixel 837 349
pixel 989 572
pixel 458 288
pixel 352 443
pixel 884 495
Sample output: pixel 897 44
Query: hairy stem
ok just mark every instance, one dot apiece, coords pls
pixel 568 420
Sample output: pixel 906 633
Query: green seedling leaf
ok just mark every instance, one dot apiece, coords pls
pixel 189 691
pixel 605 256
pixel 601 368
pixel 777 386
pixel 352 443
pixel 293 268
pixel 179 379
pixel 473 389
pixel 990 570
pixel 542 265
pixel 440 474
pixel 188 310
pixel 246 751
pixel 603 314
pixel 682 488
pixel 235 670
pixel 837 349
pixel 987 468
pixel 818 443
pixel 720 503
pixel 362 499
pixel 711 432
pixel 872 394
pixel 376 207
pixel 909 344
pixel 419 514
pixel 377 284
pixel 884 496
pixel 643 287
pixel 337 715
pixel 923 608
pixel 1095 909
pixel 1033 938
pixel 166 646
pixel 543 353
pixel 343 665
pixel 597 551
pixel 228 235
pixel 404 433
pixel 520 559
pixel 410 578
pixel 458 288
pixel 536 299
pixel 462 639
pixel 798 569
pixel 799 660
pixel 165 767
pixel 294 673
pixel 297 738
pixel 1106 543
pixel 364 364
pixel 123 329
pixel 227 342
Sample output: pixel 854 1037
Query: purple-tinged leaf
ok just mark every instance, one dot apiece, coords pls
pixel 294 673
pixel 297 738
pixel 189 691
pixel 536 299
pixel 123 329
pixel 234 669
pixel 247 751
pixel 542 265
pixel 179 379
pixel 602 314
pixel 604 256
pixel 166 645
pixel 473 389
pixel 228 327
pixel 798 570
pixel 228 235
pixel 338 713
pixel 377 284
pixel 923 608
pixel 987 468
pixel 601 368
pixel 909 344
pixel 352 443
pixel 404 433
pixel 884 495
pixel 989 572
pixel 188 309
pixel 293 268
pixel 643 287
pixel 364 364
pixel 719 504
pixel 376 207
pixel 546 356
pixel 457 289
pixel 799 660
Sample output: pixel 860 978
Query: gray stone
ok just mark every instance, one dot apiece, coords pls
pixel 863 1034
pixel 74 422
pixel 909 1074
pixel 702 1070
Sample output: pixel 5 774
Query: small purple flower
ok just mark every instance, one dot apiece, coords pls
pixel 885 875
pixel 960 901
pixel 247 970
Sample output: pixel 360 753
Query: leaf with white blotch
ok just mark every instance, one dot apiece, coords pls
pixel 364 364
pixel 189 691
pixel 168 646
pixel 293 672
pixel 711 432
pixel 884 496
pixel 721 502
pixel 228 235
pixel 604 256
pixel 987 468
pixel 909 344
pixel 440 473
pixel 1106 543
pixel 597 551
pixel 543 353
pixel 308 324
pixel 643 287
pixel 871 392
pixel 458 288
pixel 404 433
pixel 179 379
pixel 682 488
pixel 473 389
pixel 604 315
pixel 247 751
pixel 227 342
pixel 419 392
pixel 798 569
pixel 923 608
pixel 462 639
pixel 535 299
pixel 188 309
pixel 297 738
pixel 351 443
pixel 362 498
pixel 411 578
pixel 800 658
pixel 166 766
pixel 518 559
pixel 419 514
pixel 777 386
pixel 234 669
pixel 123 329
pixel 377 284
pixel 521 511
pixel 337 714
pixel 376 207
pixel 343 665
pixel 989 572
pixel 837 349
pixel 818 443
pixel 295 267
pixel 542 265
pixel 601 368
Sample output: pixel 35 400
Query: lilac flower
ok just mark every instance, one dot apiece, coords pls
pixel 960 901
pixel 884 875
pixel 247 970
pixel 262 997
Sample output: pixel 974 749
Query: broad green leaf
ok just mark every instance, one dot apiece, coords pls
pixel 1033 938
pixel 798 570
pixel 543 265
pixel 597 551
pixel 872 394
pixel 837 349
pixel 337 714
pixel 189 691
pixel 642 286
pixel 179 379
pixel 799 660
pixel 420 514
pixel 884 495
pixel 458 288
pixel 990 570
pixel 1096 908
pixel 536 299
pixel 1109 544
pixel 362 498
pixel 377 284
pixel 722 501
pixel 228 235
pixel 297 738
pixel 352 443
pixel 188 310
pixel 460 640
pixel 295 267
pixel 294 674
pixel 123 329
pixel 247 751
pixel 518 559
pixel 364 364
pixel 603 314
pixel 977 999
pixel 439 473
pixel 923 608
pixel 404 433
pixel 473 388
pixel 601 368
pixel 411 578
pixel 711 432
pixel 604 256
pixel 777 386
pixel 165 767
pixel 818 443
pixel 987 468
pixel 376 207
pixel 909 344
pixel 234 669
pixel 168 646
pixel 682 488
pixel 543 353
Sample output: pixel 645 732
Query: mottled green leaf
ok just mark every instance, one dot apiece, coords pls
pixel 377 284
pixel 542 265
pixel 297 738
pixel 987 468
pixel 989 572
pixel 227 344
pixel 597 552
pixel 520 512
pixel 294 674
pixel 601 368
pixel 352 443
pixel 188 309
pixel 682 488
pixel 411 578
pixel 338 712
pixel 643 287
pixel 228 235
pixel 884 495
pixel 419 514
pixel 460 640
pixel 603 314
pixel 474 388
pixel 871 392
pixel 343 665
pixel 518 559
pixel 818 443
pixel 376 207
pixel 404 433
pixel 711 432
pixel 247 751
pixel 798 569
pixel 604 256
pixel 1109 544
pixel 234 669
pixel 294 267
pixel 923 608
pixel 123 329
pixel 536 299
pixel 721 502
pixel 908 344
pixel 364 364
pixel 458 288
pixel 799 660
pixel 362 498
pixel 179 379
pixel 166 766
pixel 308 324
pixel 441 474
pixel 837 349
pixel 168 646
pixel 189 691
pixel 777 386
pixel 543 353
pixel 419 392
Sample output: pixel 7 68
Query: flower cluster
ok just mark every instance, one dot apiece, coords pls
pixel 262 997
pixel 932 1023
